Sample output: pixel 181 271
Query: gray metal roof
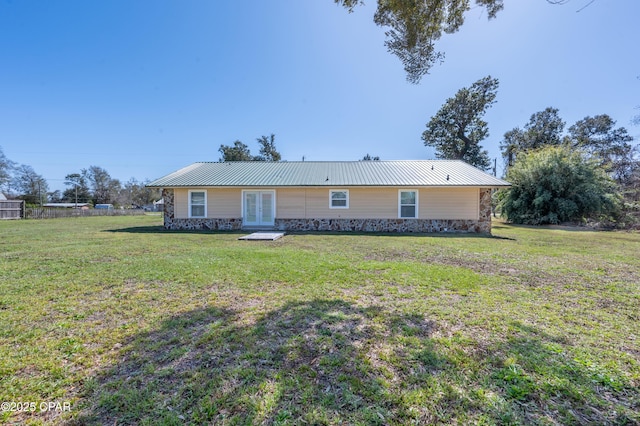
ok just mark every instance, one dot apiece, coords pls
pixel 329 173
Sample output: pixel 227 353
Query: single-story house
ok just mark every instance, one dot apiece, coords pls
pixel 376 196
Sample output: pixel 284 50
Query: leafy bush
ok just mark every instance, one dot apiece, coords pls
pixel 557 184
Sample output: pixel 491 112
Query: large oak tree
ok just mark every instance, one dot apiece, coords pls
pixel 458 128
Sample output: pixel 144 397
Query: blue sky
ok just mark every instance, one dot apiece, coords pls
pixel 142 88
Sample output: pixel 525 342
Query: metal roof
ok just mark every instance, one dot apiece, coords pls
pixel 329 173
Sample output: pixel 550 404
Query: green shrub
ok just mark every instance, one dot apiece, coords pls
pixel 557 184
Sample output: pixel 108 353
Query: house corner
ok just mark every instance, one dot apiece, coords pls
pixel 484 217
pixel 168 197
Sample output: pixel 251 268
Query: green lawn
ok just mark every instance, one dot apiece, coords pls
pixel 128 324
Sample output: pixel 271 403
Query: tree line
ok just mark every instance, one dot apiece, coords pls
pixel 590 172
pixel 93 185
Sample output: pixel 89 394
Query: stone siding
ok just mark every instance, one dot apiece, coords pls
pixel 168 199
pixel 484 220
pixel 382 225
pixel 204 224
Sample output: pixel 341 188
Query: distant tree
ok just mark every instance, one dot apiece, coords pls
pixel 636 118
pixel 370 158
pixel 268 150
pixel 510 144
pixel 458 128
pixel 104 189
pixel 557 184
pixel 6 166
pixel 240 152
pixel 146 195
pixel 237 152
pixel 78 190
pixel 31 186
pixel 55 196
pixel 631 190
pixel 543 129
pixel 599 137
pixel 414 26
pixel 136 193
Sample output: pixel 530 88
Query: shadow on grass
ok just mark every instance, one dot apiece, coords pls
pixel 319 362
pixel 400 234
pixel 549 227
pixel 160 230
pixel 330 362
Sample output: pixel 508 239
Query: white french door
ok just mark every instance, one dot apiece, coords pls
pixel 258 208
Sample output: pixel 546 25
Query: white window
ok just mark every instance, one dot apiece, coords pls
pixel 408 204
pixel 339 199
pixel 197 204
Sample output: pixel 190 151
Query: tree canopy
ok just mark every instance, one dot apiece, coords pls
pixel 544 128
pixel 6 166
pixel 78 189
pixel 136 193
pixel 237 152
pixel 268 150
pixel 414 26
pixel 240 151
pixel 368 157
pixel 104 188
pixel 458 128
pixel 599 137
pixel 32 186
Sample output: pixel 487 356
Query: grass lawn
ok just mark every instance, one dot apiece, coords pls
pixel 120 322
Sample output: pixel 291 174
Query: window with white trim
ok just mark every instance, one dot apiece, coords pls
pixel 197 204
pixel 339 199
pixel 408 204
